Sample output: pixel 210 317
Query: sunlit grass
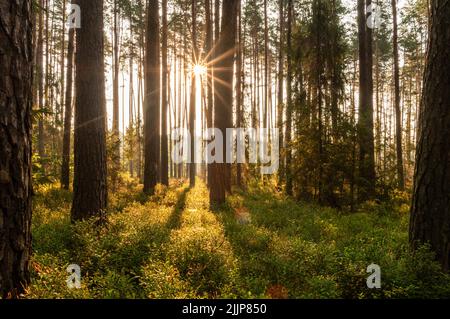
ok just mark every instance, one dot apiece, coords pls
pixel 171 245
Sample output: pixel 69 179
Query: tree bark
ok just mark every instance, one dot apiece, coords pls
pixel 239 82
pixel 430 210
pixel 90 186
pixel 280 108
pixel 152 105
pixel 192 104
pixel 398 114
pixel 288 168
pixel 16 100
pixel 209 52
pixel 366 183
pixel 40 80
pixel 164 141
pixel 65 168
pixel 223 95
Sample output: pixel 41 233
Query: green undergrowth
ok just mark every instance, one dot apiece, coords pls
pixel 171 245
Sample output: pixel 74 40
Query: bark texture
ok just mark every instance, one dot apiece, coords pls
pixel 89 186
pixel 223 95
pixel 65 168
pixel 152 103
pixel 16 97
pixel 430 210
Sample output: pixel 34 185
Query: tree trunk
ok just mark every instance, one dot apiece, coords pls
pixel 289 102
pixel 209 51
pixel 40 80
pixel 280 90
pixel 223 95
pixel 152 100
pixel 89 186
pixel 65 169
pixel 115 121
pixel 239 82
pixel 192 104
pixel 430 211
pixel 164 141
pixel 62 61
pixel 131 99
pixel 16 100
pixel 398 115
pixel 365 126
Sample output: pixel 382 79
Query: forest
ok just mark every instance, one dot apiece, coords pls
pixel 224 149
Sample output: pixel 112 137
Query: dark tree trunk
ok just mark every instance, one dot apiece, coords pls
pixel 116 72
pixel 192 104
pixel 366 188
pixel 115 120
pixel 40 79
pixel 208 48
pixel 398 114
pixel 430 211
pixel 289 102
pixel 89 186
pixel 16 100
pixel 65 168
pixel 164 141
pixel 280 89
pixel 223 95
pixel 152 147
pixel 239 82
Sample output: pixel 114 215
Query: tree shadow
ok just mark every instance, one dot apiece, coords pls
pixel 174 221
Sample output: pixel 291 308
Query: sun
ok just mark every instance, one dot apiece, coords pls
pixel 199 69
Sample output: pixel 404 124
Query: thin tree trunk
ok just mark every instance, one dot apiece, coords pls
pixel 398 115
pixel 65 169
pixel 209 51
pixel 289 185
pixel 40 80
pixel 280 90
pixel 164 141
pixel 239 82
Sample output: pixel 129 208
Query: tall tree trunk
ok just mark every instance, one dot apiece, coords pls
pixel 164 141
pixel 62 60
pixel 223 95
pixel 115 121
pixel 266 68
pixel 65 168
pixel 239 82
pixel 289 102
pixel 209 57
pixel 192 104
pixel 131 98
pixel 40 80
pixel 365 122
pixel 398 114
pixel 90 186
pixel 152 100
pixel 16 100
pixel 280 90
pixel 430 211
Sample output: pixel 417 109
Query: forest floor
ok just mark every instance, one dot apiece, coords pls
pixel 259 245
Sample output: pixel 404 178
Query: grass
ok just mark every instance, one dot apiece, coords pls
pixel 259 245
